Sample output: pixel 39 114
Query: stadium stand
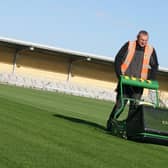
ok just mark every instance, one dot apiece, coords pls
pixel 54 69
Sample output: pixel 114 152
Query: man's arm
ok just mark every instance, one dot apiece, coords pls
pixel 120 57
pixel 154 66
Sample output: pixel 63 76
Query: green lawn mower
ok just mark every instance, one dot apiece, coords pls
pixel 148 121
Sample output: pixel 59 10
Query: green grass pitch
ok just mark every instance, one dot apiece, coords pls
pixel 40 129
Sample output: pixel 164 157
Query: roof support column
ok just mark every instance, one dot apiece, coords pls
pixel 69 71
pixel 14 60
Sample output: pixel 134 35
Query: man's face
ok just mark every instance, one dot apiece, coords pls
pixel 142 40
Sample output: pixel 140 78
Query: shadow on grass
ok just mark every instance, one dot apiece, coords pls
pixel 80 121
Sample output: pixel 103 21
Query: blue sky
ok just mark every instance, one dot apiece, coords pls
pixel 93 26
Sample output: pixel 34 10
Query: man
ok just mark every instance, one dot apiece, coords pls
pixel 135 59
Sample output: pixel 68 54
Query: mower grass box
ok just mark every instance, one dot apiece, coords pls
pixel 148 124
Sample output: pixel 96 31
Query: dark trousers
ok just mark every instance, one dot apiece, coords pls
pixel 128 92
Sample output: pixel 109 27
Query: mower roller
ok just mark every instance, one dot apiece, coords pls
pixel 148 122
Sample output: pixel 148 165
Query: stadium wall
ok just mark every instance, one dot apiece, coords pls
pixel 93 74
pixel 42 66
pixel 6 59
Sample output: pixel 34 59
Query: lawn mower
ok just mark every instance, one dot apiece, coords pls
pixel 148 121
